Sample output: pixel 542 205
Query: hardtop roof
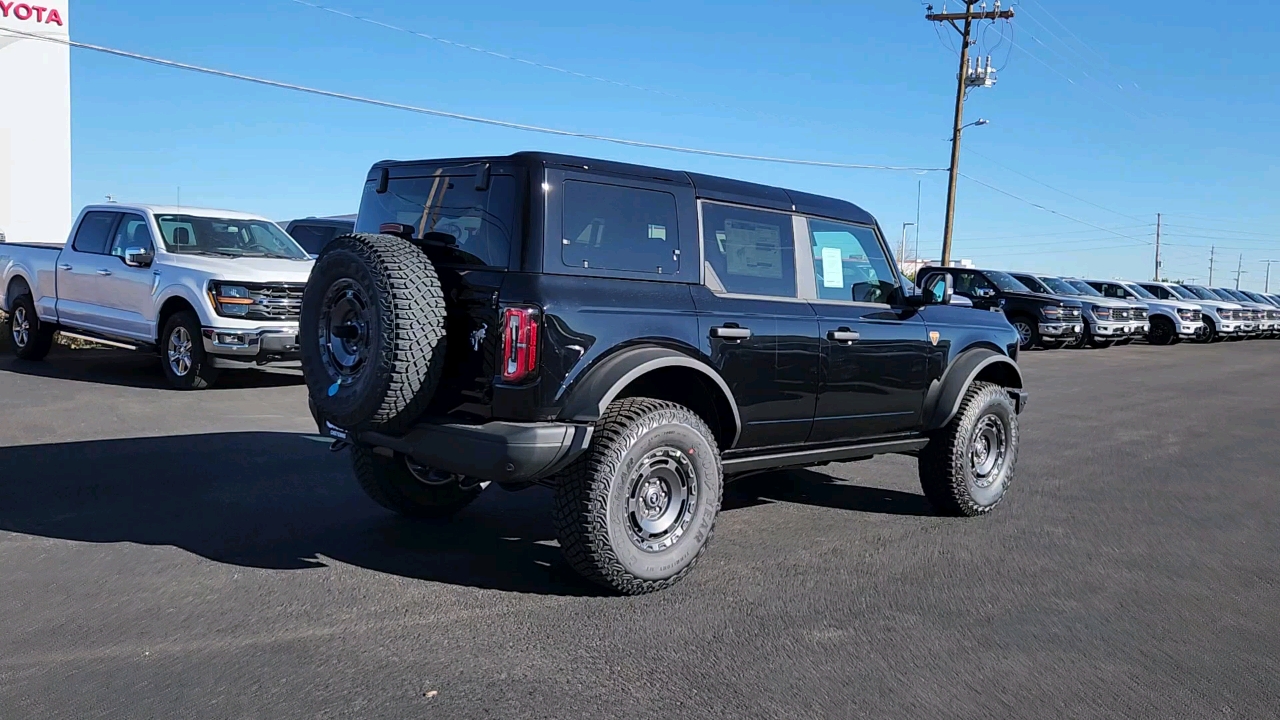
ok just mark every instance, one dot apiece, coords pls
pixel 709 187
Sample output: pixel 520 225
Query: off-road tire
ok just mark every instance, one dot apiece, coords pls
pixel 201 374
pixel 1033 331
pixel 389 482
pixel 591 516
pixel 946 472
pixel 405 333
pixel 39 335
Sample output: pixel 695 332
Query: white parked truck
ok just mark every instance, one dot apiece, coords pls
pixel 205 289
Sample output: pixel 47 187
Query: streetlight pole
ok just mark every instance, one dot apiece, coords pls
pixel 902 248
pixel 1267 287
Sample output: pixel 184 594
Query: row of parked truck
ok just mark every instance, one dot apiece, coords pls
pixel 1053 312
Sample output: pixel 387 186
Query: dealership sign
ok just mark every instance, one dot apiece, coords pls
pixel 34 14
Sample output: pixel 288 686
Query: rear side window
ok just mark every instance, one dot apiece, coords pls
pixel 94 233
pixel 752 252
pixel 313 238
pixel 481 223
pixel 610 227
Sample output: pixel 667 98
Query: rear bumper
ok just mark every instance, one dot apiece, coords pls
pixel 501 452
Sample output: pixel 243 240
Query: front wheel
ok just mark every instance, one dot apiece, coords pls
pixel 403 486
pixel 638 508
pixel 186 365
pixel 1162 332
pixel 32 338
pixel 968 466
pixel 1028 332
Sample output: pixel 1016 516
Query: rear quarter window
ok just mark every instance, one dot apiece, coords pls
pixel 611 227
pixel 94 233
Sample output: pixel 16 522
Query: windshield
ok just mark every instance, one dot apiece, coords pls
pixel 1085 288
pixel 191 234
pixel 1238 295
pixel 1060 287
pixel 1223 294
pixel 1201 293
pixel 1139 291
pixel 1033 284
pixel 1005 282
pixel 1182 292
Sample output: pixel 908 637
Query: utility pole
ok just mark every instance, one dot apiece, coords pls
pixel 1240 270
pixel 969 77
pixel 1212 251
pixel 1267 288
pixel 1158 219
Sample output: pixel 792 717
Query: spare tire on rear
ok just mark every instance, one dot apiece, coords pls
pixel 372 332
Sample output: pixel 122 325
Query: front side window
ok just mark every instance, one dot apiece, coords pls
pixel 227 237
pixel 850 263
pixel 1060 287
pixel 610 227
pixel 972 284
pixel 752 252
pixel 1005 281
pixel 94 234
pixel 481 223
pixel 1085 288
pixel 132 232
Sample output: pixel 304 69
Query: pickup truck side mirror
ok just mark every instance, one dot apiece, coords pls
pixel 138 257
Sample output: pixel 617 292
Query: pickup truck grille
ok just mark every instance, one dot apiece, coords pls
pixel 1273 314
pixel 275 301
pixel 1139 313
pixel 1070 313
pixel 1119 313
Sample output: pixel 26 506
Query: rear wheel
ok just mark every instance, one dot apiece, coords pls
pixel 637 509
pixel 403 486
pixel 968 466
pixel 372 332
pixel 32 338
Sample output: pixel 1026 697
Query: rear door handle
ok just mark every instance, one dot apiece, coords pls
pixel 104 272
pixel 64 266
pixel 844 335
pixel 731 333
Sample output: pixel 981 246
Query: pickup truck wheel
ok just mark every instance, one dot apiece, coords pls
pixel 31 338
pixel 402 486
pixel 1028 332
pixel 182 354
pixel 968 466
pixel 638 508
pixel 1081 340
pixel 1162 332
pixel 372 332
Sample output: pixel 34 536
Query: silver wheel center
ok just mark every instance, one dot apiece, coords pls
pixel 663 499
pixel 180 351
pixel 988 451
pixel 21 327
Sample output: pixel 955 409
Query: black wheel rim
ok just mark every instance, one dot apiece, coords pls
pixel 988 451
pixel 661 499
pixel 20 327
pixel 345 322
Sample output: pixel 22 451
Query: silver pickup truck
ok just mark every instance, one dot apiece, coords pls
pixel 205 289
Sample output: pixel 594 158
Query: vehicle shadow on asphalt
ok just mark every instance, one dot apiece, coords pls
pixel 132 369
pixel 279 501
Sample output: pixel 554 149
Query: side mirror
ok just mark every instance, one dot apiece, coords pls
pixel 936 289
pixel 138 257
pixel 985 293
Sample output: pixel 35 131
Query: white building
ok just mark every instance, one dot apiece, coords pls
pixel 35 122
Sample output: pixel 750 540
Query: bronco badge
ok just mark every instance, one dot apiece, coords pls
pixel 934 337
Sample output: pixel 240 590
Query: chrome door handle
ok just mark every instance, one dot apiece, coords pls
pixel 104 272
pixel 731 333
pixel 844 335
pixel 64 266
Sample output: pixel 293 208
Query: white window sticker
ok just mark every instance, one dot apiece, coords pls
pixel 753 249
pixel 658 232
pixel 832 268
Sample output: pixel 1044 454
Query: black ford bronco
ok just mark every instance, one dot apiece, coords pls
pixel 631 338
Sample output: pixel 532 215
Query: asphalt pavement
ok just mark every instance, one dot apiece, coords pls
pixel 172 555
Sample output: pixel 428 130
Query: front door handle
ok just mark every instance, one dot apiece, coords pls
pixel 64 266
pixel 730 332
pixel 844 335
pixel 104 272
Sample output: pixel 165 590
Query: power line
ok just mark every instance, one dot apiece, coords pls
pixel 1049 234
pixel 1048 210
pixel 1045 184
pixel 460 116
pixel 1224 230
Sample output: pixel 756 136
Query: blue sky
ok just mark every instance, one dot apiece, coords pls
pixel 1126 109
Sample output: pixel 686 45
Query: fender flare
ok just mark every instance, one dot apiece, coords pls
pixel 944 398
pixel 592 394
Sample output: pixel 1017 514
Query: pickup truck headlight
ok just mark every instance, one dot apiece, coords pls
pixel 1102 313
pixel 1186 315
pixel 1051 312
pixel 230 300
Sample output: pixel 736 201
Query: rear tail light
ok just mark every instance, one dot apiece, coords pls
pixel 519 343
